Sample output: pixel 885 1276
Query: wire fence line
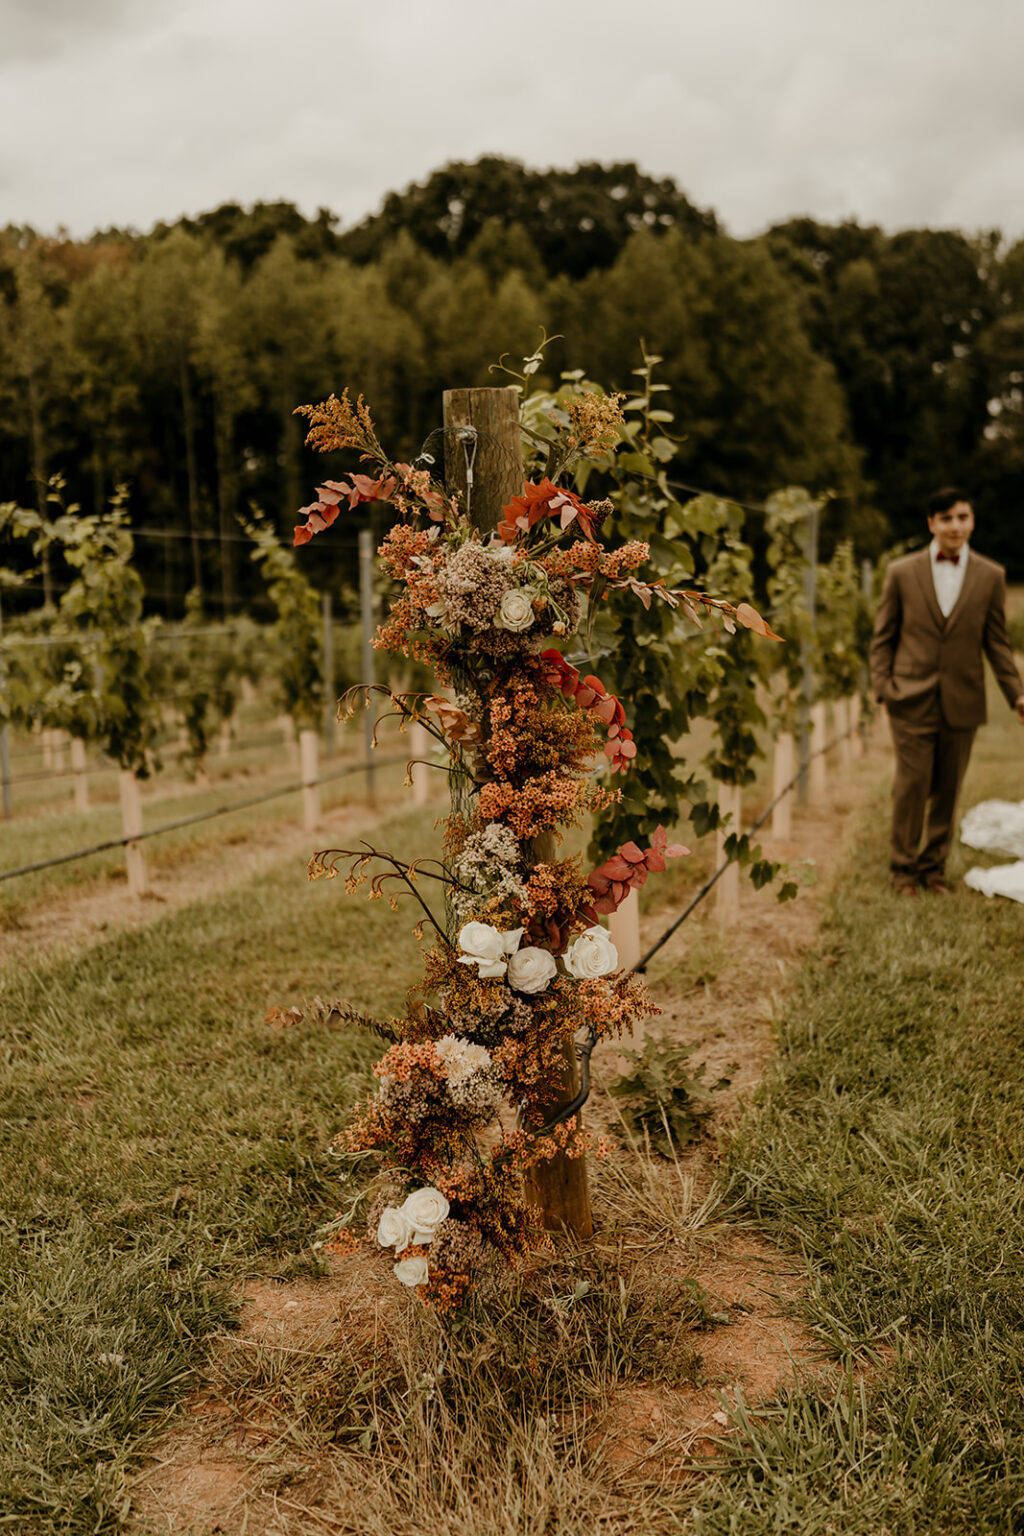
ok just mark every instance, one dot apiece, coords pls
pixel 712 880
pixel 194 820
pixel 366 767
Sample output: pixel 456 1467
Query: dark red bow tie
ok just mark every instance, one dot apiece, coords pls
pixel 953 559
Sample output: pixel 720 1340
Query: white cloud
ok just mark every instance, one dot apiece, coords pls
pixel 128 111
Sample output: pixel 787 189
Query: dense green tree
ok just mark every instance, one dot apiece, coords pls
pixel 35 381
pixel 755 403
pixel 899 318
pixel 106 363
pixel 867 364
pixel 247 234
pixel 576 220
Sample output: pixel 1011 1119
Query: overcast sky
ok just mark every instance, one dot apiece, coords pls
pixel 904 113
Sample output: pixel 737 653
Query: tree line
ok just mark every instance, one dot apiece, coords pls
pixel 872 366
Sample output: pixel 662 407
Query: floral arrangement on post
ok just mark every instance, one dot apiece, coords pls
pixel 519 969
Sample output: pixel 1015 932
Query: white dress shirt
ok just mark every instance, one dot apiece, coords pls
pixel 947 578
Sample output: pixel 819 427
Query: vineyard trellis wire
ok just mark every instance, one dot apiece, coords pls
pixel 188 821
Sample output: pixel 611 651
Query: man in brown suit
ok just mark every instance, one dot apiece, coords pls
pixel 941 608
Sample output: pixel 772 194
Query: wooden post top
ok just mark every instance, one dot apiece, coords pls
pixel 491 448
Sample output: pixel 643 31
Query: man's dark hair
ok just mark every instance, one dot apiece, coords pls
pixel 946 498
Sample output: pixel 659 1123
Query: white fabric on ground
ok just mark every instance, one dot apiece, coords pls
pixel 1003 880
pixel 997 826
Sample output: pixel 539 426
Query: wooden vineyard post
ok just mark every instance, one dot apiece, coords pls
pixel 419 741
pixel 805 707
pixel 782 772
pixel 330 692
pixel 367 652
pixel 131 819
pixel 856 726
pixel 309 745
pixel 624 927
pixel 727 891
pixel 842 728
pixel 818 775
pixel 79 770
pixel 291 742
pixel 558 1188
pixel 483 461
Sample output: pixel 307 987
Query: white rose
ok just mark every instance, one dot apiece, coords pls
pixel 425 1209
pixel 530 969
pixel 592 954
pixel 516 611
pixel 438 610
pixel 412 1271
pixel 485 946
pixel 394 1229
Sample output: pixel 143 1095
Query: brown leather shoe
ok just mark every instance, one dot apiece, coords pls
pixel 937 886
pixel 904 888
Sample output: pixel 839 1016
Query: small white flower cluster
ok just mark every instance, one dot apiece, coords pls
pixel 461 1058
pixel 489 864
pixel 415 1221
pixel 530 969
pixel 477 591
pixel 472 1080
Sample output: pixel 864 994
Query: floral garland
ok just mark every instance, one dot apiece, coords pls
pixel 521 969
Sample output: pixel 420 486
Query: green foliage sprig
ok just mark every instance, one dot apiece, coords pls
pixel 657 658
pixel 296 634
pixel 94 680
pixel 787 517
pixel 842 626
pixel 663 1098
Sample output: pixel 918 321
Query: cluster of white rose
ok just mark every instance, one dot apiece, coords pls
pixel 414 1222
pixel 530 969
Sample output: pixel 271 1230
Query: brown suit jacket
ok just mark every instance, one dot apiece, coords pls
pixel 916 653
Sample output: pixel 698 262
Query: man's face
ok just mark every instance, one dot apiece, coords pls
pixel 951 529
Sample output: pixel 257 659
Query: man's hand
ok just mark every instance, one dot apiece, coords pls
pixel 1019 707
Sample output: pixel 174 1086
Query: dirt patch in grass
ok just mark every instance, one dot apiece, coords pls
pixel 754 1346
pixel 235 1464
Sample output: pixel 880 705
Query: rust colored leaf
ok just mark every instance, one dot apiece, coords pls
pixel 751 619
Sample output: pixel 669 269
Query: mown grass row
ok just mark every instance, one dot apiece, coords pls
pixel 160 1143
pixel 158 1140
pixel 887 1147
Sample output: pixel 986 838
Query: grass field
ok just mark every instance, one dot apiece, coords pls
pixel 160 1145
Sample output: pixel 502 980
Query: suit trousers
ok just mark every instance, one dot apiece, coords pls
pixel 931 760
